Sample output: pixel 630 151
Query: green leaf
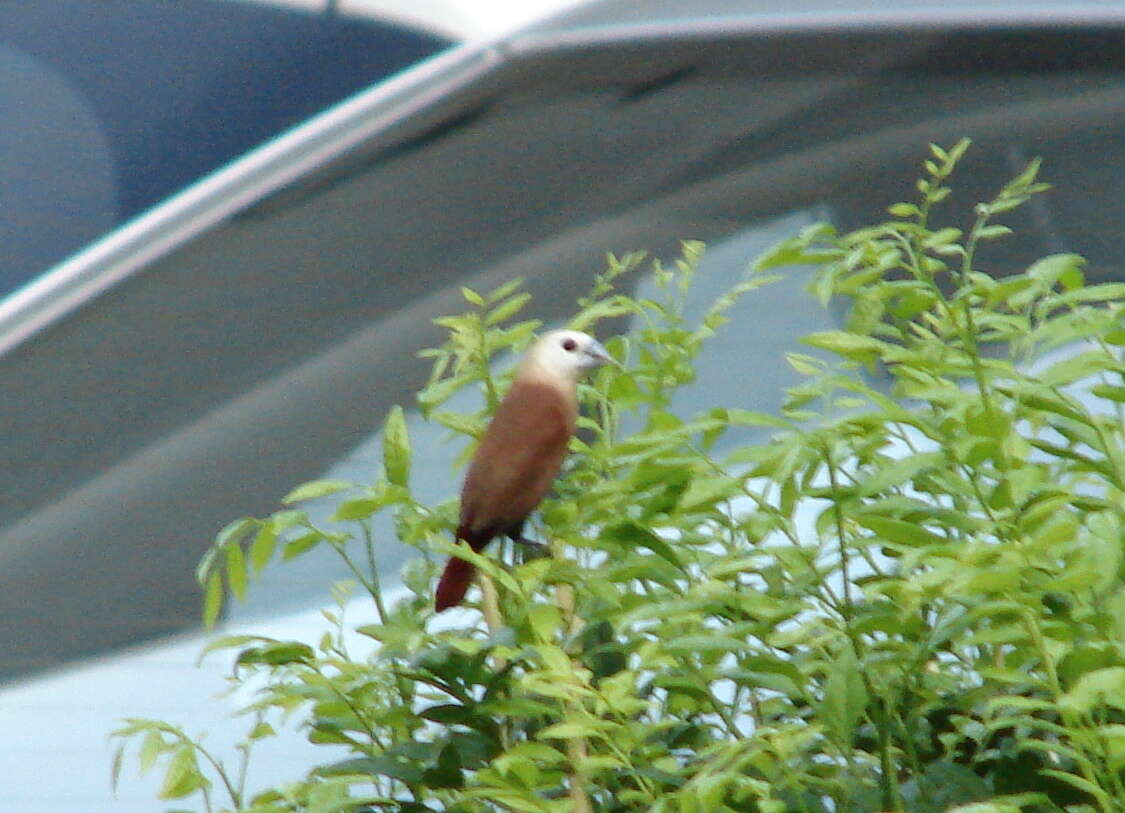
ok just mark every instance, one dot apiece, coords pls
pixel 941 237
pixel 229 642
pixel 899 531
pixel 505 290
pixel 1014 803
pixel 212 599
pixel 1082 784
pixel 1019 702
pixel 263 546
pixel 800 250
pixel 182 777
pixel 1008 289
pixel 1114 736
pixel 396 448
pixel 943 785
pixel 471 425
pixel 152 746
pixel 545 620
pixel 605 309
pixel 1078 367
pixel 206 562
pixel 357 509
pixel 315 489
pixel 382 495
pixel 115 768
pixel 536 751
pixel 745 417
pixel 1109 392
pixel 390 766
pixel 284 520
pixel 236 571
pixel 277 653
pixel 849 345
pixel 845 698
pixel 1002 581
pixel 684 685
pixel 235 532
pixel 1064 269
pixel 805 365
pixel 704 642
pixel 573 729
pixel 506 310
pixel 448 714
pixel 1088 463
pixel 992 232
pixel 899 472
pixel 472 297
pixel 1097 688
pixel 1105 292
pixel 705 490
pixel 632 534
pixel 766 672
pixel 1042 398
pixel 438 392
pixel 301 544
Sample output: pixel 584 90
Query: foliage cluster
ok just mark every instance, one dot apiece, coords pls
pixel 910 598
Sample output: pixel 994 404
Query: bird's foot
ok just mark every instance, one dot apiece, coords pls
pixel 531 549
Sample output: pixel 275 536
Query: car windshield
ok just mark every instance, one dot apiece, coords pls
pixel 109 107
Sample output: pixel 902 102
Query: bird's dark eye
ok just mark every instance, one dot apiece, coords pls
pixel 569 344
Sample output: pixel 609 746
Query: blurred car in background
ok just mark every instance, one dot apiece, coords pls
pixel 250 332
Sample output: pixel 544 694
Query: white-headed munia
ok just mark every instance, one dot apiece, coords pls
pixel 522 450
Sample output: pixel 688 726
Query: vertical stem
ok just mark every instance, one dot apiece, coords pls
pixel 890 794
pixel 235 796
pixel 576 753
pixel 969 333
pixel 492 395
pixel 491 604
pixel 838 516
pixel 576 748
pixel 375 588
pixel 1031 624
pixel 892 798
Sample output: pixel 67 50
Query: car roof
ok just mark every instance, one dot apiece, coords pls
pixel 709 15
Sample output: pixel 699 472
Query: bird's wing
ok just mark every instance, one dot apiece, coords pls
pixel 519 456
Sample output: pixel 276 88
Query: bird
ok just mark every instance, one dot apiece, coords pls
pixel 522 449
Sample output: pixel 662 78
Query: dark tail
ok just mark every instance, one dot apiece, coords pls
pixel 454 584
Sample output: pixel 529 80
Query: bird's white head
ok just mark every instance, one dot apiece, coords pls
pixel 567 353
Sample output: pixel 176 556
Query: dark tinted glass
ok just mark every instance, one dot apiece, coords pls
pixel 109 106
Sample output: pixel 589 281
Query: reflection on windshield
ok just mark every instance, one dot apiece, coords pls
pixel 57 189
pixel 109 108
pixel 743 365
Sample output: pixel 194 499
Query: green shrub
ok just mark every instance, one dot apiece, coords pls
pixel 910 598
